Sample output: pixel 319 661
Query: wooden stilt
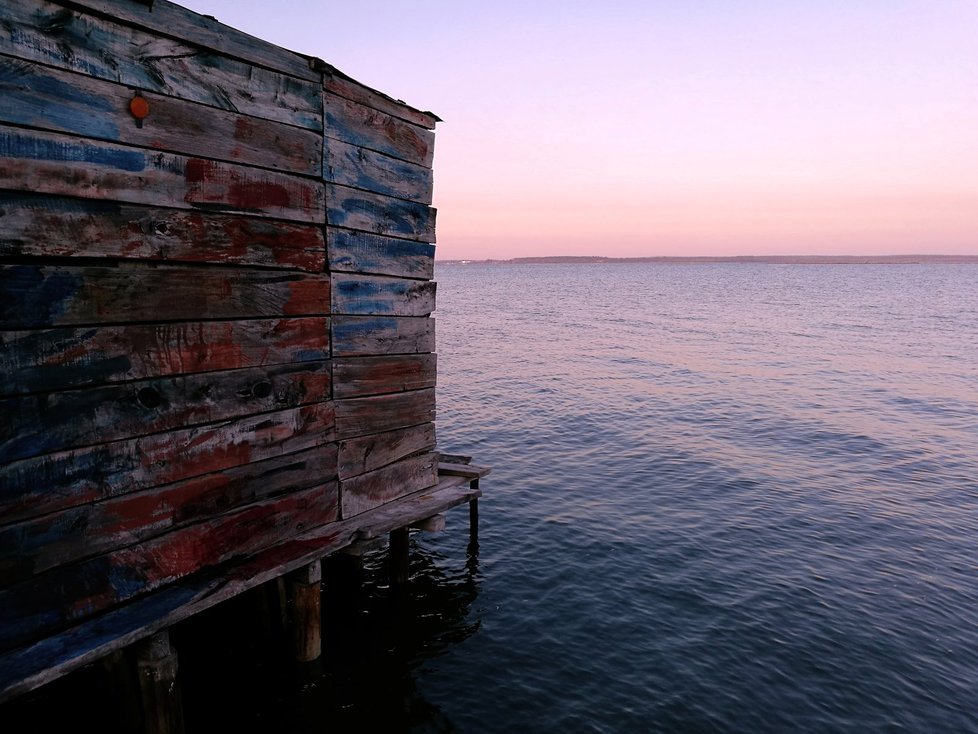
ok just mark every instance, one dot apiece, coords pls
pixel 122 681
pixel 156 668
pixel 399 571
pixel 305 589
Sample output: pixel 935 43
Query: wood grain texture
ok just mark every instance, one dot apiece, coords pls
pixel 55 359
pixel 173 20
pixel 361 252
pixel 34 225
pixel 47 603
pixel 51 34
pixel 362 295
pixel 366 335
pixel 41 296
pixel 60 101
pixel 361 168
pixel 362 126
pixel 359 376
pixel 376 414
pixel 373 489
pixel 366 453
pixel 341 85
pixel 40 544
pixel 47 483
pixel 53 163
pixel 379 214
pixel 32 665
pixel 47 422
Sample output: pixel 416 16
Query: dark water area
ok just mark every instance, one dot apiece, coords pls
pixel 724 498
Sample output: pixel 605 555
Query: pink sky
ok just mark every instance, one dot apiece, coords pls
pixel 672 128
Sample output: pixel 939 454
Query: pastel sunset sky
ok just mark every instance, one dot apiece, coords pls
pixel 672 128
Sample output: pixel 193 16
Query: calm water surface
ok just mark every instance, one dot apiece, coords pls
pixel 724 498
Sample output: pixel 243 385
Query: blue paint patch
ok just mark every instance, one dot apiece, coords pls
pixel 31 297
pixel 32 97
pixel 126 581
pixel 24 147
pixel 309 355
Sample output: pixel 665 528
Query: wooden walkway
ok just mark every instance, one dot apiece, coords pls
pixel 24 669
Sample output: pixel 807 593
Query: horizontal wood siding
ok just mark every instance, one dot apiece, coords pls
pixel 379 295
pixel 359 376
pixel 47 422
pixel 64 479
pixel 40 544
pixel 362 252
pixel 379 487
pixel 361 168
pixel 49 295
pixel 53 163
pixel 376 414
pixel 61 101
pixel 53 226
pixel 366 335
pixel 52 34
pixel 379 214
pixel 341 85
pixel 55 359
pixel 366 453
pixel 365 127
pixel 170 19
pixel 36 607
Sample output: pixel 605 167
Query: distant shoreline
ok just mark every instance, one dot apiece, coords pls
pixel 750 259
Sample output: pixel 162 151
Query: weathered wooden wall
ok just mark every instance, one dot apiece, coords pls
pixel 215 324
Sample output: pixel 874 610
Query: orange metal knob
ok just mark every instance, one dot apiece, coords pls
pixel 139 107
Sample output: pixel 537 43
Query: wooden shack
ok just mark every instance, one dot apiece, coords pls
pixel 216 350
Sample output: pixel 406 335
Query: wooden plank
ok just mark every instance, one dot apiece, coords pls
pixel 361 252
pixel 433 524
pixel 49 602
pixel 61 101
pixel 55 359
pixel 364 335
pixel 51 295
pixel 357 124
pixel 361 168
pixel 53 163
pixel 338 83
pixel 367 491
pixel 178 22
pixel 52 482
pixel 28 667
pixel 47 422
pixel 40 544
pixel 378 214
pixel 466 471
pixel 363 295
pixel 51 226
pixel 51 34
pixel 378 413
pixel 358 376
pixel 366 453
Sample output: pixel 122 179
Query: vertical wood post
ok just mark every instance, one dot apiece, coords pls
pixel 122 681
pixel 156 668
pixel 306 589
pixel 399 556
pixel 474 514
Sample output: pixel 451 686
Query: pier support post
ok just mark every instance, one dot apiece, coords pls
pixel 474 515
pixel 399 570
pixel 305 588
pixel 156 668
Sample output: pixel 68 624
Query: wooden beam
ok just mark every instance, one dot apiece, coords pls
pixel 373 489
pixel 366 335
pixel 365 295
pixel 433 524
pixel 341 85
pixel 399 559
pixel 62 101
pixel 365 453
pixel 305 591
pixel 361 168
pixel 355 123
pixel 359 376
pixel 362 252
pixel 378 214
pixel 378 413
pixel 157 668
